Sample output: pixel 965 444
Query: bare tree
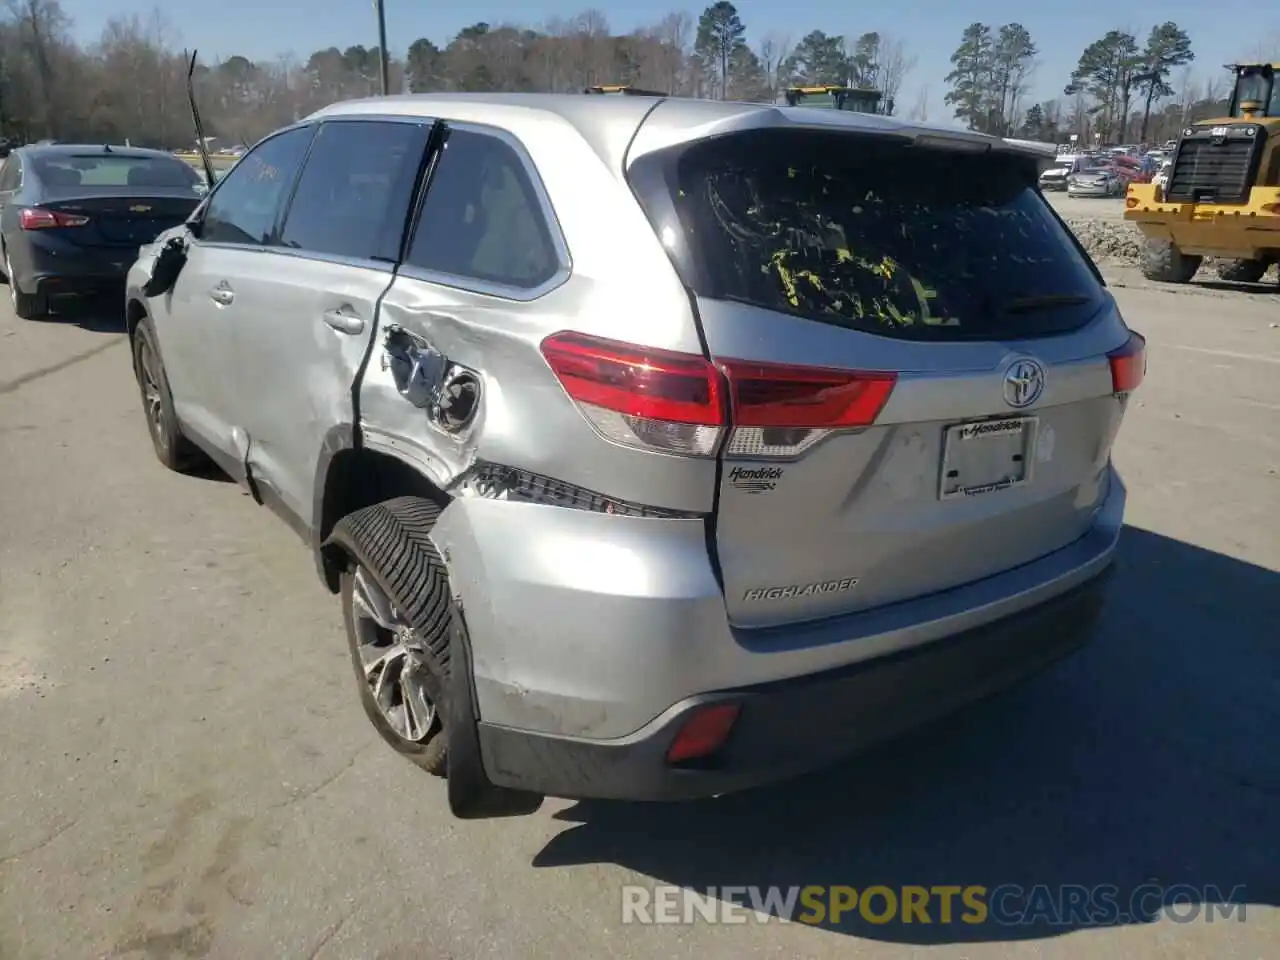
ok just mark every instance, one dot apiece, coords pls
pixel 894 65
pixel 1266 50
pixel 1186 88
pixel 773 51
pixel 920 112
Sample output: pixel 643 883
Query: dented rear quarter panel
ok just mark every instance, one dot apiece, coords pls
pixel 615 281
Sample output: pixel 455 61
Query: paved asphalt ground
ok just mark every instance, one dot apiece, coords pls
pixel 185 771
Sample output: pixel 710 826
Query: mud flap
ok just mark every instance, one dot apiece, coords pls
pixel 471 794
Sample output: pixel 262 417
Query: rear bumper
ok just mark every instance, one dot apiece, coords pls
pixel 795 726
pixel 595 637
pixel 50 267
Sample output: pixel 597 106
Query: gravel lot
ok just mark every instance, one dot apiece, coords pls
pixel 185 770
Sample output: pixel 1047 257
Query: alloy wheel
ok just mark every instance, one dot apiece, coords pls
pixel 151 400
pixel 392 660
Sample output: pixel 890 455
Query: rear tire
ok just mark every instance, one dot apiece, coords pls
pixel 1242 271
pixel 397 607
pixel 1163 261
pixel 26 306
pixel 172 449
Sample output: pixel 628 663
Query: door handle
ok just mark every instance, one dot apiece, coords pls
pixel 222 295
pixel 342 321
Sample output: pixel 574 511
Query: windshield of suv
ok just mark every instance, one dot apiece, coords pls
pixel 875 235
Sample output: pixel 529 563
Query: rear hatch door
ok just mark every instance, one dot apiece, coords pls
pixel 918 359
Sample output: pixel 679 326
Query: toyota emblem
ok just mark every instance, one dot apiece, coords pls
pixel 1023 383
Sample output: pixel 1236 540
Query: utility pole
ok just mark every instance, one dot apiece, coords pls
pixel 383 66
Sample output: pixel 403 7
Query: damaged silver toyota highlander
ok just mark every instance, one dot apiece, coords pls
pixel 657 448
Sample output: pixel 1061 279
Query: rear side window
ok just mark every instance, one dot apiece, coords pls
pixel 481 218
pixel 104 170
pixel 872 235
pixel 248 201
pixel 354 195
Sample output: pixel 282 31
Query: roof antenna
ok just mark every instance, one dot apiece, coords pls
pixel 195 118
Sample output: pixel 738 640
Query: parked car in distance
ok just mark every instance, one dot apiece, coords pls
pixel 1161 176
pixel 72 217
pixel 1054 177
pixel 643 465
pixel 1095 180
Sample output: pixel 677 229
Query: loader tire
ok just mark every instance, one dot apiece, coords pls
pixel 1242 271
pixel 1164 262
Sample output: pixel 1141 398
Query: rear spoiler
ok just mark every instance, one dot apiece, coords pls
pixel 195 119
pixel 1046 150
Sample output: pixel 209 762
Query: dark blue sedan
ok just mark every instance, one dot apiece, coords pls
pixel 72 217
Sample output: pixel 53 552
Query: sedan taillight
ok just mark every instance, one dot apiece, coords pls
pixel 35 218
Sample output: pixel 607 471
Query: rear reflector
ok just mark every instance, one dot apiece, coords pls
pixel 641 397
pixel 35 218
pixel 1129 364
pixel 703 733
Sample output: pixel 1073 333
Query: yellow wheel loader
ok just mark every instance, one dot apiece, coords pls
pixel 1222 195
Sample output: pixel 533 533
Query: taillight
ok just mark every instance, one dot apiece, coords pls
pixel 677 403
pixel 781 410
pixel 641 397
pixel 35 218
pixel 1128 364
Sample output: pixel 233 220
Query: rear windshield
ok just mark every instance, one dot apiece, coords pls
pixel 108 171
pixel 870 234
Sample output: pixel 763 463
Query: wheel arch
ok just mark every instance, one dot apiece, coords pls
pixel 135 311
pixel 350 477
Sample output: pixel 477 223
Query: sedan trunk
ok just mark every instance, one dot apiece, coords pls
pixel 121 219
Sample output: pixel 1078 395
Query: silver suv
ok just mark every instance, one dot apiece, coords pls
pixel 657 448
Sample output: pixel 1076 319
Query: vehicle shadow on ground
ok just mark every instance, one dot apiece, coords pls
pixel 1261 289
pixel 1148 758
pixel 97 314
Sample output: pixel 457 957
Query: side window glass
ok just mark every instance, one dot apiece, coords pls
pixel 354 194
pixel 9 178
pixel 481 218
pixel 248 199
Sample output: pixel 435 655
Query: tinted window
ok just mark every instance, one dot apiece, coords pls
pixel 9 177
pixel 104 170
pixel 482 219
pixel 249 197
pixel 872 235
pixel 354 194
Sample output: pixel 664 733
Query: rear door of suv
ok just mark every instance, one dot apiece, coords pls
pixel 314 312
pixel 926 372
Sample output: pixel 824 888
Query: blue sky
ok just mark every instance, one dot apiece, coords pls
pixel 930 28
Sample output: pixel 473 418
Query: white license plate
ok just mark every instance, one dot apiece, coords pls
pixel 986 456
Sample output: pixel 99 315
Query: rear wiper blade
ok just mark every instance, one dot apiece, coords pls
pixel 1028 304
